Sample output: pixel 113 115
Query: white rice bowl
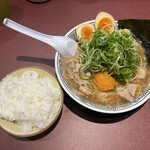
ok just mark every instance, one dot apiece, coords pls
pixel 29 101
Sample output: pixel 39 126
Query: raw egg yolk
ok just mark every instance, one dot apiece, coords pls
pixel 86 32
pixel 104 82
pixel 103 22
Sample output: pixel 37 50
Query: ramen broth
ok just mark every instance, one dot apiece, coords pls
pixel 109 98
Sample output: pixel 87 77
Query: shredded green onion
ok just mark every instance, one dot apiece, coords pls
pixel 115 53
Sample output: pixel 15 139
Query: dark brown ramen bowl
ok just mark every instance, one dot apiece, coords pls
pixel 103 109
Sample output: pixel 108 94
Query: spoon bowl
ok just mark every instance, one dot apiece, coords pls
pixel 62 44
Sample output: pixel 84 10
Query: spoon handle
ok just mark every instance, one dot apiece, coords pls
pixel 62 44
pixel 29 32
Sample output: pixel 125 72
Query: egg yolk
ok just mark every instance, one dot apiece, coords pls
pixel 86 32
pixel 104 82
pixel 103 22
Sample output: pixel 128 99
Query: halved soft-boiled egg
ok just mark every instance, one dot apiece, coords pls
pixel 105 21
pixel 85 31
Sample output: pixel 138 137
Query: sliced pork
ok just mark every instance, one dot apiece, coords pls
pixel 73 68
pixel 141 74
pixel 128 92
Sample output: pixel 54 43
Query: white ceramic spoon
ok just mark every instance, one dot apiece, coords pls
pixel 62 44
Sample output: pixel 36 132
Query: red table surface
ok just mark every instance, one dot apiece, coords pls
pixel 77 128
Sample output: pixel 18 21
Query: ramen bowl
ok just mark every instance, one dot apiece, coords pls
pixel 94 107
pixel 12 127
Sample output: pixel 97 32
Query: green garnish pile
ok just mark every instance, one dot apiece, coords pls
pixel 115 53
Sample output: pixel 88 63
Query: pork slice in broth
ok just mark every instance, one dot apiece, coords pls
pixel 141 73
pixel 128 93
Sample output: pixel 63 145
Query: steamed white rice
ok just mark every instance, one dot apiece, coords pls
pixel 29 100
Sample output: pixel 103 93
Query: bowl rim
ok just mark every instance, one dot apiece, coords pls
pixel 56 115
pixel 113 111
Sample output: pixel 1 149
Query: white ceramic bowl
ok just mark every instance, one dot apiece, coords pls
pixel 103 109
pixel 16 130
